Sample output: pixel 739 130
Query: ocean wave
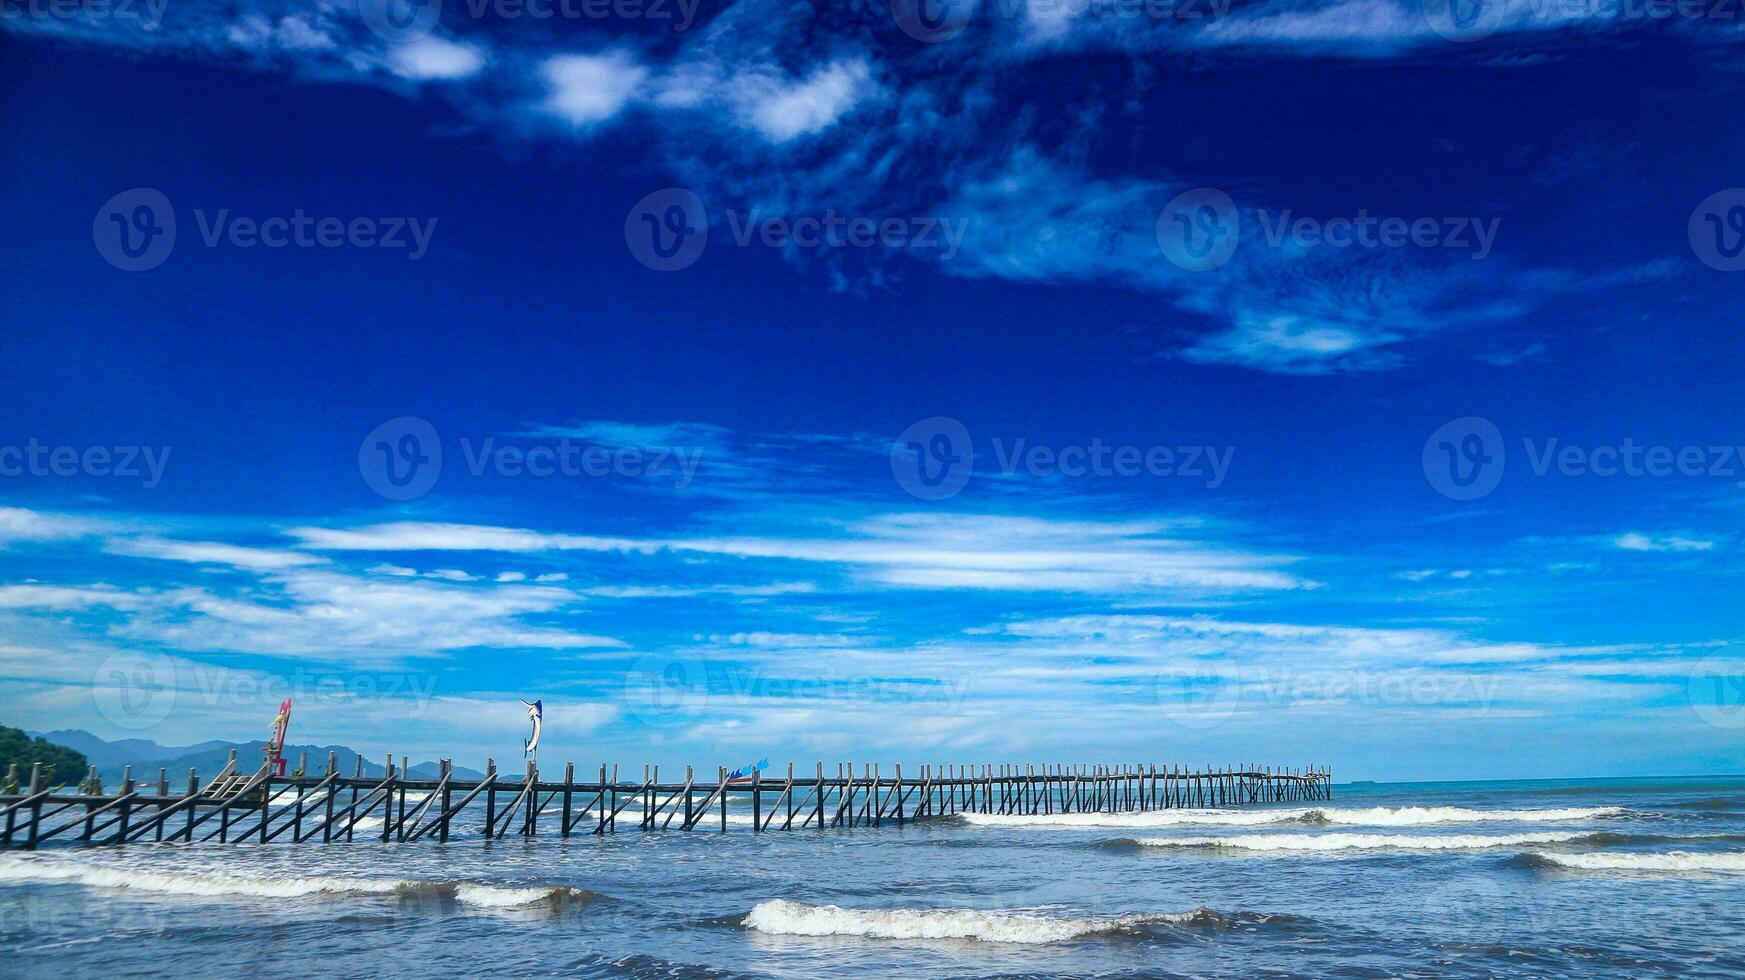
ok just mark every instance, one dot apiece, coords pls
pixel 216 885
pixel 1376 816
pixel 785 918
pixel 1676 861
pixel 1359 842
pixel 1713 804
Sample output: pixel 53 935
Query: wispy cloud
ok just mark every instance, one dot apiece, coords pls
pixel 1635 541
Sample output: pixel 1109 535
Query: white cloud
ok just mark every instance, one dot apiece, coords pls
pixel 435 58
pixel 911 550
pixel 782 109
pixel 1634 541
pixel 585 89
pixel 210 553
pixel 60 598
pixel 18 524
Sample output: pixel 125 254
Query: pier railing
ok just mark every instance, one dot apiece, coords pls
pixel 261 808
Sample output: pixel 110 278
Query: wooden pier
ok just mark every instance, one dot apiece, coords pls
pixel 236 808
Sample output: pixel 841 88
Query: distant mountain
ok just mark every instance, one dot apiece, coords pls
pixel 208 758
pixel 136 751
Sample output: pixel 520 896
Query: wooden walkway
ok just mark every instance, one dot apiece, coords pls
pixel 262 808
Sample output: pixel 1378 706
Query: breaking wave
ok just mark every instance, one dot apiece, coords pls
pixel 1360 842
pixel 1675 861
pixel 785 918
pixel 1376 816
pixel 279 886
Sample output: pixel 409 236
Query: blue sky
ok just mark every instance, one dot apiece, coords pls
pixel 1350 383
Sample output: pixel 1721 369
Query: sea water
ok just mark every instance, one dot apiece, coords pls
pixel 1601 878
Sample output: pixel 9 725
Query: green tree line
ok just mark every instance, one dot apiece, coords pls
pixel 20 749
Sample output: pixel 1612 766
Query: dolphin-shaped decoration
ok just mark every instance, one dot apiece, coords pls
pixel 536 714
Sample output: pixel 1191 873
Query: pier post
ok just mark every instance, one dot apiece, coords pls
pixel 722 792
pixel 491 798
pixel 122 793
pixel 819 805
pixel 569 788
pixel 612 816
pixel 11 812
pixel 357 775
pixel 35 808
pixel 443 815
pixel 530 825
pixel 600 805
pixel 689 776
pixel 193 791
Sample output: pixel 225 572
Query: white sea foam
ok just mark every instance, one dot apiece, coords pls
pixel 798 919
pixel 1365 842
pixel 1669 861
pixel 1376 816
pixel 502 897
pixel 187 883
pixel 214 884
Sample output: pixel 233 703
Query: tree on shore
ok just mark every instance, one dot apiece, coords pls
pixel 58 761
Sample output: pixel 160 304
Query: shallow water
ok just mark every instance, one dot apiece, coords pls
pixel 1577 879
